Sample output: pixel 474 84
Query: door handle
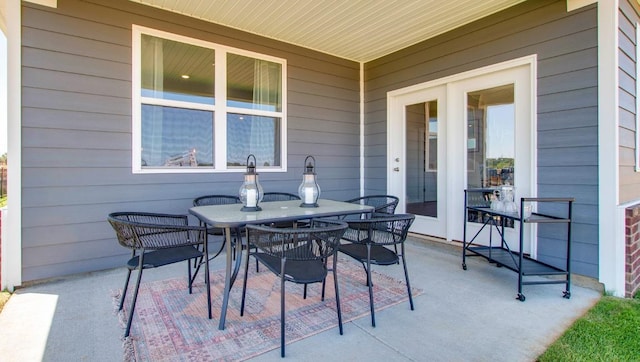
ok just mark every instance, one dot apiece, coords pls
pixel 396 169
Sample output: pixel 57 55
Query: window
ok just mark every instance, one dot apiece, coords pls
pixel 203 107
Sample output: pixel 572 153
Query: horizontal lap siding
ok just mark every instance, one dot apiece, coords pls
pixel 76 130
pixel 629 182
pixel 567 149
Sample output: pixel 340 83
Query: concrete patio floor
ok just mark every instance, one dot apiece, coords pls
pixel 461 315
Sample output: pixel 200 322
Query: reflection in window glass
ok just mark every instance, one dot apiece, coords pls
pixel 422 158
pixel 176 71
pixel 490 141
pixel 254 83
pixel 257 135
pixel 433 136
pixel 176 137
pixel 490 137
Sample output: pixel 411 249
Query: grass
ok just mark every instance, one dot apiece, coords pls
pixel 4 297
pixel 610 331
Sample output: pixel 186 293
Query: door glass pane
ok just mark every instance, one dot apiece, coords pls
pixel 422 158
pixel 490 139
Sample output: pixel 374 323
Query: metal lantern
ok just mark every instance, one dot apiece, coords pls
pixel 309 191
pixel 251 191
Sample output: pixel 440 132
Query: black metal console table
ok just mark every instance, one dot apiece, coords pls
pixel 477 200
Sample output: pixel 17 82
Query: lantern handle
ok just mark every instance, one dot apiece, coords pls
pixel 251 165
pixel 309 166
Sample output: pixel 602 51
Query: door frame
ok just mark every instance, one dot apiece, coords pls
pixel 455 158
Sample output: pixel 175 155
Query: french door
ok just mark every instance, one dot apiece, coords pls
pixel 473 130
pixel 419 167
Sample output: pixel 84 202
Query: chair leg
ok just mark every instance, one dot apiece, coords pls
pixel 324 281
pixel 124 290
pixel 135 295
pixel 370 284
pixel 282 323
pixel 244 284
pixel 189 276
pixel 406 277
pixel 207 277
pixel 335 284
pixel 126 284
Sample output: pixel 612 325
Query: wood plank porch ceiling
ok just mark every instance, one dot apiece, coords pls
pixel 359 30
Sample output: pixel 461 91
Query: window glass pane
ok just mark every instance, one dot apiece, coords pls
pixel 177 71
pixel 254 83
pixel 176 137
pixel 247 134
pixel 490 141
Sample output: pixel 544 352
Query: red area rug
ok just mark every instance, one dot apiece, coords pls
pixel 172 325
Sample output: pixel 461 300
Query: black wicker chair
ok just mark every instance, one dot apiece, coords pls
pixel 282 196
pixel 279 196
pixel 297 255
pixel 385 204
pixel 217 234
pixel 157 240
pixel 367 243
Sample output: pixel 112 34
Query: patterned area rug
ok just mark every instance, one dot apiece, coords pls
pixel 172 325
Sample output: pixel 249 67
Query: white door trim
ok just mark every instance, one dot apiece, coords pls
pixel 12 226
pixel 611 238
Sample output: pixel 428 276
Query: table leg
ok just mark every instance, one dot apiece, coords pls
pixel 230 276
pixel 227 278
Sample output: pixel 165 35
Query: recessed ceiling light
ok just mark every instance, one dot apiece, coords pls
pixel 185 76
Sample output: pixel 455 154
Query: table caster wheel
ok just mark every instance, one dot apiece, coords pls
pixel 566 295
pixel 520 297
pixel 464 266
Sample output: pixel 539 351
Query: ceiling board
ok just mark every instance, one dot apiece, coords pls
pixel 359 30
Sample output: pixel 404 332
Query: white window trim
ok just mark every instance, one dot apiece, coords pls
pixel 220 109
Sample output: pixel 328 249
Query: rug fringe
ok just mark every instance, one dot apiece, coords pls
pixel 129 352
pixel 115 302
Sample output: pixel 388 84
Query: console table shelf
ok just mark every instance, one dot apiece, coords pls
pixel 477 200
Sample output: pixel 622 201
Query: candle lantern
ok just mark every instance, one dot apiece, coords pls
pixel 251 191
pixel 309 191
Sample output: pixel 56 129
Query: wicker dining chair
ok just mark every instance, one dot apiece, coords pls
pixel 381 203
pixel 297 255
pixel 279 196
pixel 369 240
pixel 282 196
pixel 156 240
pixel 217 234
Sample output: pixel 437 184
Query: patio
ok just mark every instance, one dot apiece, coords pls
pixel 461 315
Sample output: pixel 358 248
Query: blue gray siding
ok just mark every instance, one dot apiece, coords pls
pixel 567 149
pixel 76 129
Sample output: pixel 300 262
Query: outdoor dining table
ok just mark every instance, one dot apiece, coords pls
pixel 230 217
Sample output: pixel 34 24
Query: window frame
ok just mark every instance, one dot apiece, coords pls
pixel 220 109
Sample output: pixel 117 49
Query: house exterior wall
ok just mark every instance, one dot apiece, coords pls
pixel 632 251
pixel 567 132
pixel 629 181
pixel 76 130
